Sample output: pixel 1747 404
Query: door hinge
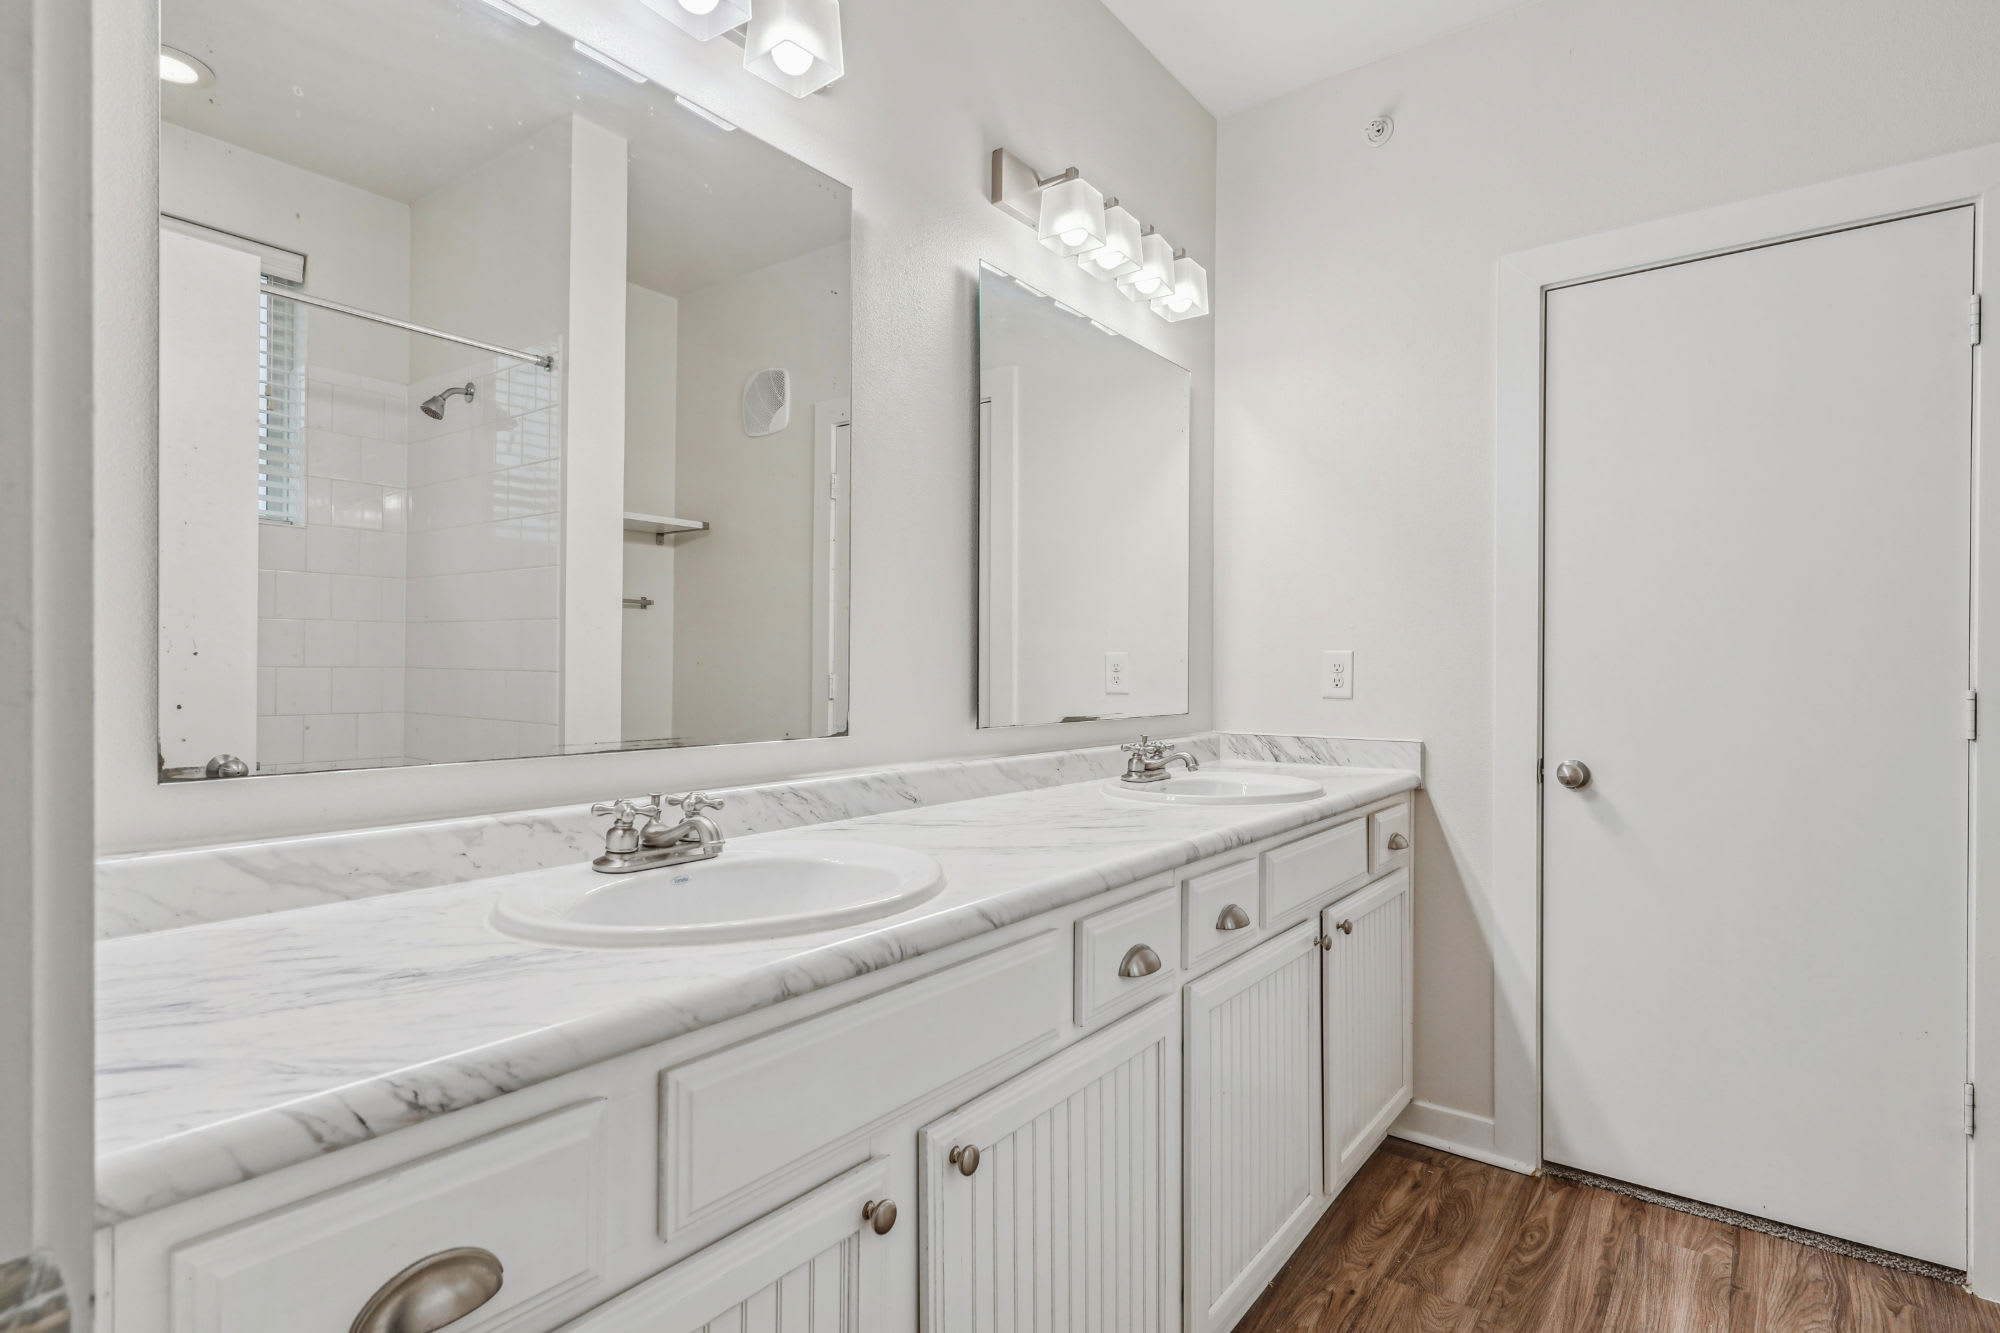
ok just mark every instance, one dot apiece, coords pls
pixel 1972 715
pixel 833 485
pixel 1971 1110
pixel 1975 320
pixel 1539 765
pixel 833 685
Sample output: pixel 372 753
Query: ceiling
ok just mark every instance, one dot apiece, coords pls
pixel 400 96
pixel 1234 55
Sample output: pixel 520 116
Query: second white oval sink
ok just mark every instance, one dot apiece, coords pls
pixel 1220 789
pixel 785 888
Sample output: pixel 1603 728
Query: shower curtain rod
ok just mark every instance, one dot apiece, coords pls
pixel 545 361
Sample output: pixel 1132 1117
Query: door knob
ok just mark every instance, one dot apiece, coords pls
pixel 1574 774
pixel 881 1213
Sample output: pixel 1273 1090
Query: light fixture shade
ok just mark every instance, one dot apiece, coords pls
pixel 1122 249
pixel 794 44
pixel 1189 298
pixel 1072 221
pixel 703 19
pixel 1155 274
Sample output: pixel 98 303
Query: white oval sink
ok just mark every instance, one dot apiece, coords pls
pixel 785 888
pixel 1220 789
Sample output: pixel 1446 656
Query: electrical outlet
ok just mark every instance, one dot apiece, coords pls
pixel 1336 675
pixel 1117 674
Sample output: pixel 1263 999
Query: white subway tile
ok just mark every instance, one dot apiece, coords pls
pixel 378 735
pixel 357 505
pixel 355 690
pixel 330 737
pixel 281 546
pixel 333 454
pixel 280 740
pixel 301 596
pixel 267 691
pixel 303 689
pixel 329 643
pixel 385 463
pixel 281 643
pixel 379 643
pixel 332 550
pixel 267 593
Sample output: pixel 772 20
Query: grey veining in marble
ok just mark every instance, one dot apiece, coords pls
pixel 1262 748
pixel 233 1049
pixel 162 890
pixel 33 1298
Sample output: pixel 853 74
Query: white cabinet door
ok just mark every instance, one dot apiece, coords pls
pixel 1253 1122
pixel 1368 1013
pixel 814 1266
pixel 1069 1217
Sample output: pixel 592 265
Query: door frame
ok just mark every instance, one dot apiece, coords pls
pixel 1524 279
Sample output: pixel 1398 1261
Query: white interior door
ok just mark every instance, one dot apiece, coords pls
pixel 1756 637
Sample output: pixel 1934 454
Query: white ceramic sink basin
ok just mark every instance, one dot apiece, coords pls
pixel 785 888
pixel 1220 789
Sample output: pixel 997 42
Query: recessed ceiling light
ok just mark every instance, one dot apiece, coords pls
pixel 183 70
pixel 516 13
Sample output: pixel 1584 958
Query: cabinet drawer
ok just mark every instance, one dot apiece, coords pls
pixel 746 1129
pixel 1221 912
pixel 1144 933
pixel 1301 871
pixel 532 1197
pixel 1389 838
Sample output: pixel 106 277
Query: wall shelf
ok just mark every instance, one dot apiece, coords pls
pixel 660 527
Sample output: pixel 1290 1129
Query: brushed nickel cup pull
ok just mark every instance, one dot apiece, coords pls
pixel 1345 927
pixel 1232 918
pixel 1397 842
pixel 431 1293
pixel 881 1212
pixel 966 1159
pixel 1139 961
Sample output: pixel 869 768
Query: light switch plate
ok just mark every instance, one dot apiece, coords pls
pixel 1336 674
pixel 1117 674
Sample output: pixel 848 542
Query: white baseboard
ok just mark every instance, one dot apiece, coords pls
pixel 1457 1132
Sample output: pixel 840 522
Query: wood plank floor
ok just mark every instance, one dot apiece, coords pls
pixel 1424 1242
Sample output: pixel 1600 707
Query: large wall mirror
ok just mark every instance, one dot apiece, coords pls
pixel 503 400
pixel 1083 516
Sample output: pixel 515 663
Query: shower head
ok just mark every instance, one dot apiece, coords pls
pixel 433 406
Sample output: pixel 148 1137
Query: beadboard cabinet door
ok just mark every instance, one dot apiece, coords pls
pixel 1252 1123
pixel 1368 1011
pixel 815 1266
pixel 1067 1219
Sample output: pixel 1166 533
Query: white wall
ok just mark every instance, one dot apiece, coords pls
pixel 1355 423
pixel 933 87
pixel 743 590
pixel 46 962
pixel 652 352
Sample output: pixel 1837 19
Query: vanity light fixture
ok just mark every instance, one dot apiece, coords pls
pixel 1071 218
pixel 1120 253
pixel 794 44
pixel 1155 272
pixel 698 109
pixel 623 70
pixel 183 70
pixel 703 19
pixel 1189 297
pixel 515 12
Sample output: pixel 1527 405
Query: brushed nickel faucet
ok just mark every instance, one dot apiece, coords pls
pixel 630 844
pixel 1150 759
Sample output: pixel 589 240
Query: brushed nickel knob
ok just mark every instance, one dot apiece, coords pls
pixel 431 1293
pixel 1232 918
pixel 1574 774
pixel 1345 927
pixel 1397 842
pixel 881 1212
pixel 1324 942
pixel 1139 961
pixel 965 1158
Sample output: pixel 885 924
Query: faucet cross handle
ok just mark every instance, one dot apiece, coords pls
pixel 628 808
pixel 1145 747
pixel 694 803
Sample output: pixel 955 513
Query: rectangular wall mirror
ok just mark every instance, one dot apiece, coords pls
pixel 1083 516
pixel 503 400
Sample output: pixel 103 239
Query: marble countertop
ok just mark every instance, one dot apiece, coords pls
pixel 229 1050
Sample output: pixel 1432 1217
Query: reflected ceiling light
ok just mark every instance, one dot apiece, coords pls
pixel 1071 218
pixel 516 13
pixel 183 70
pixel 702 111
pixel 1104 328
pixel 1189 297
pixel 703 19
pixel 794 44
pixel 1120 253
pixel 625 71
pixel 1155 271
